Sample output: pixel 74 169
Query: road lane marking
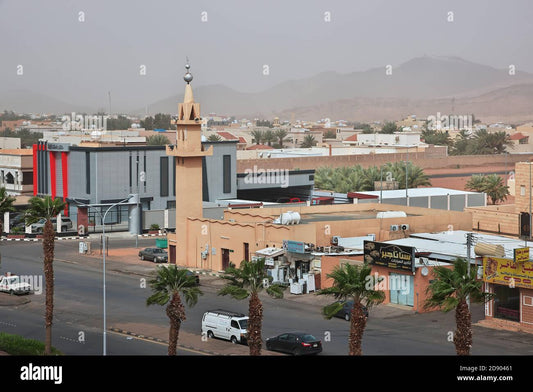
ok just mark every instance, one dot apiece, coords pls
pixel 159 341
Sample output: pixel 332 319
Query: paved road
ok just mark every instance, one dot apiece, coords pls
pixel 78 308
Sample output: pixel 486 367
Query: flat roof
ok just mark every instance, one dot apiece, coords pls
pixel 418 192
pixel 340 216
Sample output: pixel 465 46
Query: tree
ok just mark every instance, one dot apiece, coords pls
pixel 258 136
pixel 147 123
pixel 46 208
pixel 449 290
pixel 309 141
pixel 280 134
pixel 269 137
pixel 415 175
pixel 485 142
pixel 157 140
pixel 121 122
pixel 214 138
pixel 168 285
pixel 6 205
pixel 461 143
pixel 246 282
pixel 491 184
pixel 439 138
pixel 389 127
pixel 353 283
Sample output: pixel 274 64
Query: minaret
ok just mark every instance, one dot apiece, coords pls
pixel 189 152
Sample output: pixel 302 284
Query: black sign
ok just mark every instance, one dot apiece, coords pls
pixel 525 229
pixel 390 255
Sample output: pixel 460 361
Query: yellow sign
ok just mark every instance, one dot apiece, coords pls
pixel 507 272
pixel 521 255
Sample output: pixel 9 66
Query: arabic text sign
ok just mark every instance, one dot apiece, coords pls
pixel 507 272
pixel 521 255
pixel 389 255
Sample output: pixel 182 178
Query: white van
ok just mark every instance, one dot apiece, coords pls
pixel 225 325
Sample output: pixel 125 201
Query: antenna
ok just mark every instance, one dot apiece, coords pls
pixel 109 97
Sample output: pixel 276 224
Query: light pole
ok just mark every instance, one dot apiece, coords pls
pixel 103 266
pixel 407 178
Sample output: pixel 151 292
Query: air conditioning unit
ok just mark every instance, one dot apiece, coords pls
pixel 393 227
pixel 335 240
pixel 404 227
pixel 327 249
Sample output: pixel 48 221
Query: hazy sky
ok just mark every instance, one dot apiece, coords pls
pixel 80 61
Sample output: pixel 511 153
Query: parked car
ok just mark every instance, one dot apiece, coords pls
pixel 38 227
pixel 157 255
pixel 346 311
pixel 16 220
pixel 13 285
pixel 225 324
pixel 295 343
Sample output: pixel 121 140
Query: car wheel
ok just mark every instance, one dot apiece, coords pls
pixel 234 340
pixel 268 347
pixel 11 292
pixel 210 334
pixel 142 257
pixel 347 316
pixel 296 352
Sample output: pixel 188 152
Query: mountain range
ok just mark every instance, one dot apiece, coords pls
pixel 422 86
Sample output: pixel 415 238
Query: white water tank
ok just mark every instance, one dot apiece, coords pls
pixel 288 218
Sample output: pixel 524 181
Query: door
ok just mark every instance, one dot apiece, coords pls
pixel 225 258
pixel 172 254
pixel 401 289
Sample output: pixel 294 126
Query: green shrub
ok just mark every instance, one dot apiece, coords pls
pixel 17 345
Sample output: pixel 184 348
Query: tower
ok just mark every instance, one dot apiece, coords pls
pixel 188 153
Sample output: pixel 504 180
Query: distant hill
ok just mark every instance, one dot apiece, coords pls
pixel 419 86
pixel 424 85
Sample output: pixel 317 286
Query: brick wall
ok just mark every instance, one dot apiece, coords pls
pixel 526 306
pixel 431 159
pixel 522 176
pixel 495 219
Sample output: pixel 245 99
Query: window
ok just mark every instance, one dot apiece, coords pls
pixel 226 167
pixel 522 190
pixel 163 176
pixel 171 204
pixel 246 251
pixel 234 324
pixel 524 140
pixel 285 336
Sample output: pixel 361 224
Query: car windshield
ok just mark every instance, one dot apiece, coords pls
pixel 243 323
pixel 13 280
pixel 308 338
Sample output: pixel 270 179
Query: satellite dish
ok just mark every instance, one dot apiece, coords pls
pixel 424 271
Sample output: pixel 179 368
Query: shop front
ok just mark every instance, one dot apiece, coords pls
pixel 301 274
pixel 511 283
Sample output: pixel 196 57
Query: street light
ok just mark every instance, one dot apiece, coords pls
pixel 103 267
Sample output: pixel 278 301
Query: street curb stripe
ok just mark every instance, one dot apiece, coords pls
pixel 38 239
pixel 124 332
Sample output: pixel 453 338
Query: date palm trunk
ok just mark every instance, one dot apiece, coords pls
pixel 255 314
pixel 357 328
pixel 176 314
pixel 48 251
pixel 463 335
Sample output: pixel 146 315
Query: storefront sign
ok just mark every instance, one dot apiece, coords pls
pixel 507 272
pixel 58 146
pixel 294 246
pixel 521 255
pixel 390 255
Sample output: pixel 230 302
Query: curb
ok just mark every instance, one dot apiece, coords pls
pixel 129 333
pixel 38 239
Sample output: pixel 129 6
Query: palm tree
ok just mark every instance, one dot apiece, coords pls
pixel 491 184
pixel 449 290
pixel 269 137
pixel 167 284
pixel 46 208
pixel 246 282
pixel 157 140
pixel 353 283
pixel 258 136
pixel 6 205
pixel 281 134
pixel 214 138
pixel 309 141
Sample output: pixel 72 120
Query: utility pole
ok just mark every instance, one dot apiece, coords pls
pixel 469 237
pixel 407 178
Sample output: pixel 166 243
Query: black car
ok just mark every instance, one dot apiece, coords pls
pixel 190 273
pixel 346 311
pixel 156 255
pixel 295 343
